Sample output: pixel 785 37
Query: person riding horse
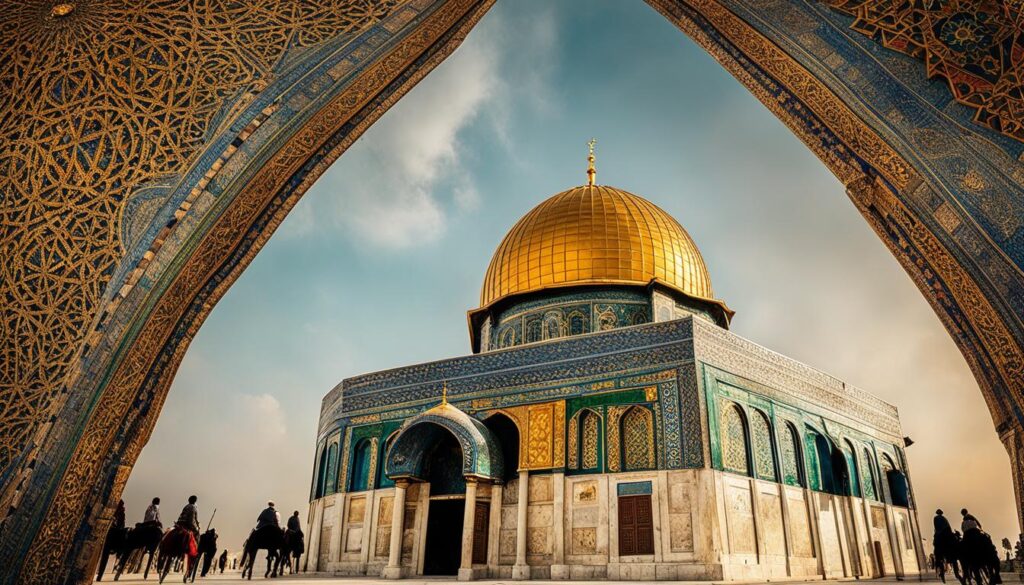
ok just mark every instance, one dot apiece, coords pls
pixel 268 517
pixel 978 554
pixel 189 517
pixel 115 539
pixel 945 543
pixel 152 516
pixel 267 535
pixel 293 523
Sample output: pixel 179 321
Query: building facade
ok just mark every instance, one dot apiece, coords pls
pixel 608 425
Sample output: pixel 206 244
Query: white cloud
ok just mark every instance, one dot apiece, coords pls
pixel 264 411
pixel 400 183
pixel 389 185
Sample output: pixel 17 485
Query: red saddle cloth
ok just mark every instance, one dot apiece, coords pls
pixel 193 550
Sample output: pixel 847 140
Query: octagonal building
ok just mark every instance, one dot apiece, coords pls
pixel 608 426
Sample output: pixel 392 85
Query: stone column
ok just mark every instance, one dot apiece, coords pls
pixel 466 568
pixel 394 568
pixel 521 571
pixel 559 570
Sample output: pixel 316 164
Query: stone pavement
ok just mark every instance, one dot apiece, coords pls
pixel 322 579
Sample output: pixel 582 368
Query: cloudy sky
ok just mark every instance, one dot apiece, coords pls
pixel 378 263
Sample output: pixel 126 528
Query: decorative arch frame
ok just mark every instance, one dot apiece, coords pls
pixel 766 434
pixel 735 409
pixel 166 242
pixel 575 443
pixel 650 440
pixel 481 452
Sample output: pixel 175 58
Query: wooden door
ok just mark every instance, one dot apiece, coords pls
pixel 480 530
pixel 636 526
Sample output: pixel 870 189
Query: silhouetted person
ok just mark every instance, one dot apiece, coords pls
pixel 969 523
pixel 153 514
pixel 223 561
pixel 941 525
pixel 293 522
pixel 208 549
pixel 189 517
pixel 268 517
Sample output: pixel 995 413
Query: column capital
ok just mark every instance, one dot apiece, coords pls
pixel 402 483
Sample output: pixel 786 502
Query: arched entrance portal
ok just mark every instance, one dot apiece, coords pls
pixel 461 462
pixel 168 187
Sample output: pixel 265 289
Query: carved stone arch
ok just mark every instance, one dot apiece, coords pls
pixel 481 453
pixel 290 92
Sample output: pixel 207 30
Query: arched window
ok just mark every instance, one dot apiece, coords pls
pixel 360 466
pixel 639 317
pixel 321 477
pixel 853 468
pixel 533 331
pixel 822 464
pixel 508 337
pixel 637 438
pixel 585 441
pixel 552 325
pixel 735 444
pixel 331 485
pixel 790 455
pixel 871 491
pixel 764 455
pixel 383 480
pixel 577 323
pixel 507 434
pixel 899 491
pixel 607 320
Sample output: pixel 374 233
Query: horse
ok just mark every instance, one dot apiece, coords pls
pixel 177 544
pixel 979 559
pixel 291 551
pixel 947 552
pixel 207 551
pixel 145 537
pixel 268 538
pixel 115 540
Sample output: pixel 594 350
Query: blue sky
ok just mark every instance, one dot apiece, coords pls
pixel 378 263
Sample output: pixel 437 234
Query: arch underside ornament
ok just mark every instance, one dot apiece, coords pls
pixel 133 198
pixel 481 453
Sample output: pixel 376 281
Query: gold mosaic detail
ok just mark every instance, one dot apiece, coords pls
pixel 539 448
pixel 595 234
pixel 75 494
pixel 102 98
pixel 574 461
pixel 590 440
pixel 371 473
pixel 613 447
pixel 638 439
pixel 798 81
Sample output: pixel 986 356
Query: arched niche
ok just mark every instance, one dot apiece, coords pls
pixel 180 209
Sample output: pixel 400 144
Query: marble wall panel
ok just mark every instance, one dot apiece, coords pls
pixel 739 514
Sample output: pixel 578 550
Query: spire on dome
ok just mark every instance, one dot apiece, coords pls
pixel 591 171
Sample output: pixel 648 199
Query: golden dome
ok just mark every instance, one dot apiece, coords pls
pixel 595 235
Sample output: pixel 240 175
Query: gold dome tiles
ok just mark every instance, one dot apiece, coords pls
pixel 595 235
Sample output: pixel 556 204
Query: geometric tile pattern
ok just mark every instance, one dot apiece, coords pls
pixel 761 435
pixel 977 47
pixel 98 100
